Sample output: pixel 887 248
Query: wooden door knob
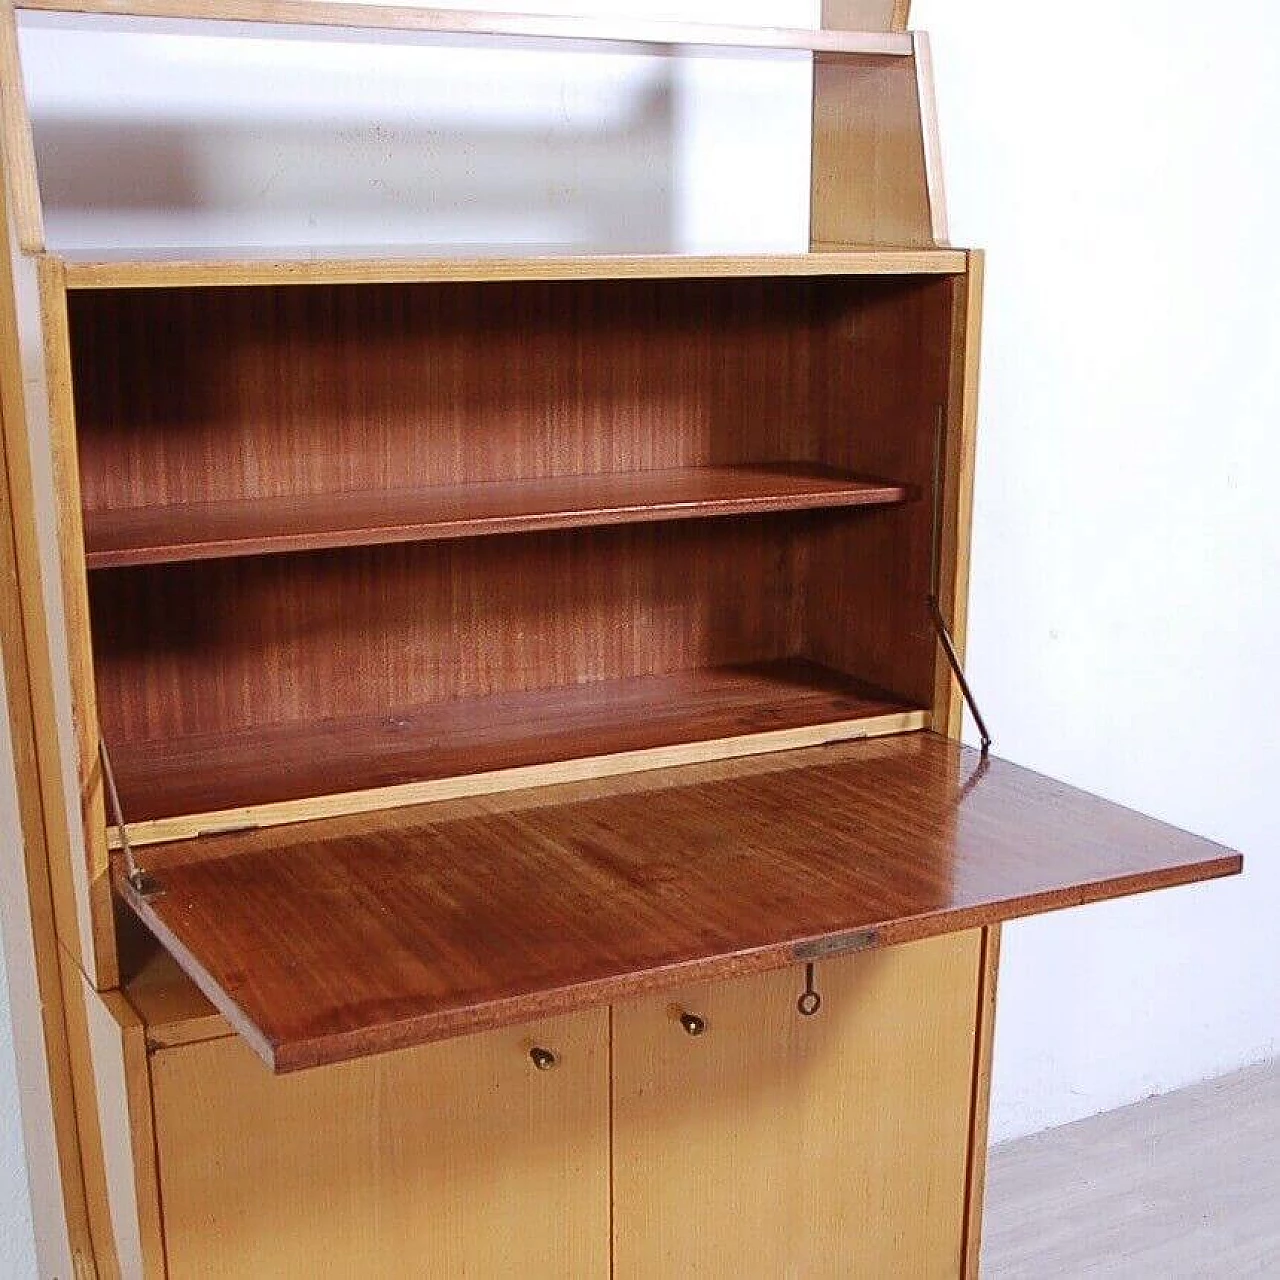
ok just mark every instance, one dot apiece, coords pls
pixel 543 1059
pixel 693 1024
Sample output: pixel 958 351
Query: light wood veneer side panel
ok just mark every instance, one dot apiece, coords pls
pixel 91 1122
pixel 43 861
pixel 100 962
pixel 775 1144
pixel 865 15
pixel 959 459
pixel 122 1088
pixel 21 177
pixel 870 182
pixel 935 184
pixel 981 1109
pixel 458 1157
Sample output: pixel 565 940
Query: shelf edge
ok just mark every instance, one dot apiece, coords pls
pixel 84 272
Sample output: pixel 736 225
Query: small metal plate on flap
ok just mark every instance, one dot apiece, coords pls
pixel 838 945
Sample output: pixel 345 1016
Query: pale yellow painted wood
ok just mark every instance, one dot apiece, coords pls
pixel 15 134
pixel 782 1146
pixel 456 1159
pixel 961 446
pixel 100 962
pixel 980 1110
pixel 492 782
pixel 934 181
pixel 472 23
pixel 156 272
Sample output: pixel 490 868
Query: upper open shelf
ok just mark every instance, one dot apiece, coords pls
pixel 407 264
pixel 463 22
pixel 258 526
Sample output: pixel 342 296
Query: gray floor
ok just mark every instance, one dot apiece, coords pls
pixel 1179 1186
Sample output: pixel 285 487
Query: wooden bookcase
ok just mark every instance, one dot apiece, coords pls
pixel 519 682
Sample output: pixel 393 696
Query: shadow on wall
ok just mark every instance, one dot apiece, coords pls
pixel 125 182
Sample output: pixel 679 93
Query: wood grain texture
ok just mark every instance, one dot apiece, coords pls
pixel 206 268
pixel 935 183
pixel 171 1009
pixel 880 379
pixel 281 394
pixel 261 765
pixel 776 1145
pixel 43 860
pixel 959 456
pixel 122 1087
pixel 99 957
pixel 457 1160
pixel 980 1106
pixel 185 396
pixel 517 778
pixel 17 147
pixel 479 23
pixel 865 15
pixel 226 645
pixel 870 183
pixel 96 1129
pixel 372 934
pixel 272 526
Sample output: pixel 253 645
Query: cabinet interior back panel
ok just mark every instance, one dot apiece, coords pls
pixel 230 644
pixel 190 395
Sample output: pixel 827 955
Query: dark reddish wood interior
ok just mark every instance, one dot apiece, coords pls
pixel 333 939
pixel 242 410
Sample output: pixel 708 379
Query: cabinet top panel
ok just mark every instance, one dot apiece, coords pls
pixel 169 268
pixel 336 939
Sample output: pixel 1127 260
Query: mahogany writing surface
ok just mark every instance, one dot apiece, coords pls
pixel 335 939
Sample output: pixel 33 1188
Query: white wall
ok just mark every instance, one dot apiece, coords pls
pixel 1115 161
pixel 1120 163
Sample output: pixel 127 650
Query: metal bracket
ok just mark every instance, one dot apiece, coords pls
pixel 935 574
pixel 143 883
pixel 839 944
pixel 810 1001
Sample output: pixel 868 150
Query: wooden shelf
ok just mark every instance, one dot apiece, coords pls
pixel 466 22
pixel 357 935
pixel 214 530
pixel 410 264
pixel 292 771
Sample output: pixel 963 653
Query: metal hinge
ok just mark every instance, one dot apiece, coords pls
pixel 142 882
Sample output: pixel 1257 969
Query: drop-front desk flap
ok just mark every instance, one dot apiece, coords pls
pixel 328 940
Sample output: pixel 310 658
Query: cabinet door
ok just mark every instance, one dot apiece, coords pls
pixel 457 1159
pixel 774 1145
